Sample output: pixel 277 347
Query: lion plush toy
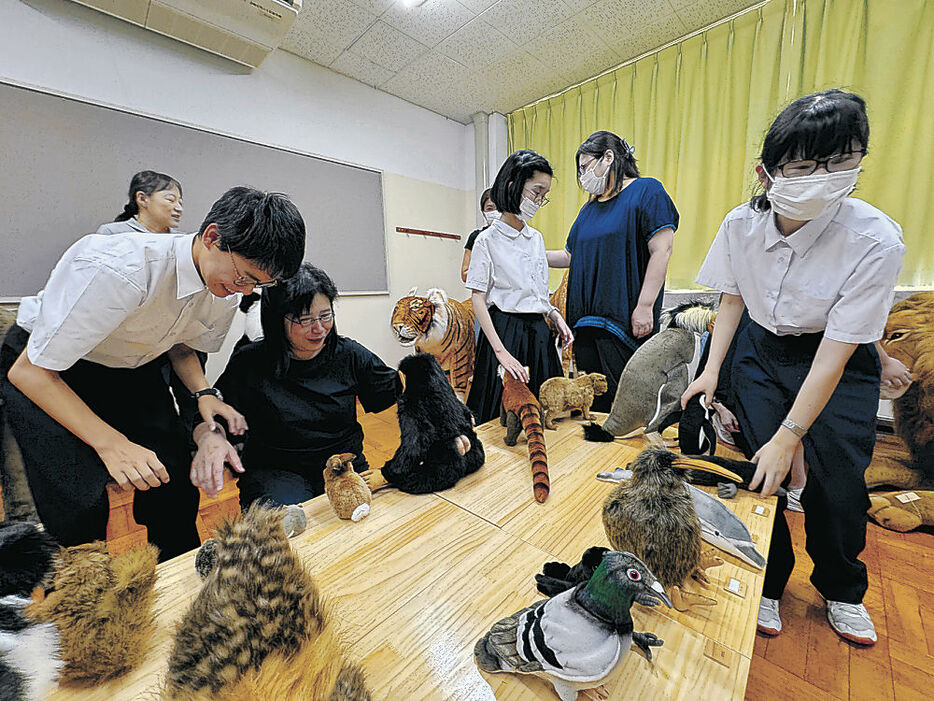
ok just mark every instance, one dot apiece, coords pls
pixel 442 327
pixel 909 337
pixel 103 608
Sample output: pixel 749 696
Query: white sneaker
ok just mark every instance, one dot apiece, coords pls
pixel 794 500
pixel 769 623
pixel 851 622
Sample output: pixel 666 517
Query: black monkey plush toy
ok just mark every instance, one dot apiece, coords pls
pixel 431 417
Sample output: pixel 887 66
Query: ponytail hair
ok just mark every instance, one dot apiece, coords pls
pixel 147 182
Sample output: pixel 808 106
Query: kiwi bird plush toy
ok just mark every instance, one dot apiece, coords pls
pixel 577 638
pixel 347 491
pixel 653 516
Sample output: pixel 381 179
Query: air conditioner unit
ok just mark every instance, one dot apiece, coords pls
pixel 244 31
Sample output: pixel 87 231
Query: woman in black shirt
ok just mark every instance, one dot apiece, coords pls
pixel 297 389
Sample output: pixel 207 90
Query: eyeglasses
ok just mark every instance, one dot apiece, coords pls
pixel 834 164
pixel 538 199
pixel 244 281
pixel 324 319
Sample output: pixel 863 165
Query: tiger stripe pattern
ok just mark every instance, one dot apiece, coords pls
pixel 442 327
pixel 521 411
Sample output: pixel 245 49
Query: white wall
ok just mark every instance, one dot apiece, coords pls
pixel 65 48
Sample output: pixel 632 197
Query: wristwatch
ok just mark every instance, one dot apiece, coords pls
pixel 209 390
pixel 799 431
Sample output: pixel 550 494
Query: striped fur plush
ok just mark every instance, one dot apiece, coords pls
pixel 522 412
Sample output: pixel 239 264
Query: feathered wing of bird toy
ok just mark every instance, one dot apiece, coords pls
pixel 102 605
pixel 521 411
pixel 259 629
pixel 577 638
pixel 30 660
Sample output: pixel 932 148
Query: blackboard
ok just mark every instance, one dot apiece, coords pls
pixel 67 164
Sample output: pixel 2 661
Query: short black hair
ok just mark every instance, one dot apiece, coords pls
pixel 147 182
pixel 292 298
pixel 266 228
pixel 506 192
pixel 624 163
pixel 814 126
pixel 484 198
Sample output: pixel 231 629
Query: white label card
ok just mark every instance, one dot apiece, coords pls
pixel 907 497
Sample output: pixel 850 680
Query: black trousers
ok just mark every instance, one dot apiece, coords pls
pixel 528 339
pixel 598 350
pixel 66 476
pixel 768 371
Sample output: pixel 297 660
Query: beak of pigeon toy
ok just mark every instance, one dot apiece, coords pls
pixel 698 464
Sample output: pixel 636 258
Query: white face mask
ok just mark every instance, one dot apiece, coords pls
pixel 527 209
pixel 809 196
pixel 593 183
pixel 491 216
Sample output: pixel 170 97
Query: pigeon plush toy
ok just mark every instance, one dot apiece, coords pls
pixel 577 638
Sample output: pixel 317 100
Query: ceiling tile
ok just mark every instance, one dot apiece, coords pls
pixel 698 15
pixel 476 44
pixel 387 47
pixel 637 41
pixel 335 24
pixel 571 49
pixel 361 69
pixel 301 43
pixel 477 6
pixel 429 23
pixel 578 5
pixel 376 6
pixel 522 21
pixel 437 83
pixel 615 18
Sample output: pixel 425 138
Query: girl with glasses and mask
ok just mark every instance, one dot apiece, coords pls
pixel 816 270
pixel 508 275
pixel 617 251
pixel 297 389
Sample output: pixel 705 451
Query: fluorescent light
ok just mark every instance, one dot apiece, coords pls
pixel 413 3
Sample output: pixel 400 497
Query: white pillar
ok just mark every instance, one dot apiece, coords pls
pixel 481 159
pixel 497 143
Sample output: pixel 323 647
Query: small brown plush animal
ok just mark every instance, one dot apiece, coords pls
pixel 102 606
pixel 902 511
pixel 259 630
pixel 561 396
pixel 521 411
pixel 347 491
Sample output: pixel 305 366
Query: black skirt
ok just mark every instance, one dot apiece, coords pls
pixel 529 340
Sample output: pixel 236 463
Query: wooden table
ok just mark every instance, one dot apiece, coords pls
pixel 416 583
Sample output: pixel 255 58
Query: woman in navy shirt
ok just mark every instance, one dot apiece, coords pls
pixel 618 251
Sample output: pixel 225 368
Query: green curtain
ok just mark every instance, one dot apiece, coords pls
pixel 697 111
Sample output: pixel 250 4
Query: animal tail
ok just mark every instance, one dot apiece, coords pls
pixel 597 434
pixel 531 419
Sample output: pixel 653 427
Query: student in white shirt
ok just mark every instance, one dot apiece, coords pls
pixel 816 271
pixel 508 274
pixel 82 368
pixel 155 206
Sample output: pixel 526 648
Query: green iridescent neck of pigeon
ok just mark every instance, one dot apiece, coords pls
pixel 606 597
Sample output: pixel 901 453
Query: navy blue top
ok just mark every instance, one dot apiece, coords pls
pixel 609 247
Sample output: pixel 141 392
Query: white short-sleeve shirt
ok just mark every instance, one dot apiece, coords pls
pixel 836 274
pixel 511 267
pixel 126 226
pixel 122 300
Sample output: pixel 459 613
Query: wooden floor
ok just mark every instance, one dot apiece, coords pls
pixel 808 660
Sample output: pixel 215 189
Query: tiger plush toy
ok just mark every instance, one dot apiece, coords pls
pixel 442 327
